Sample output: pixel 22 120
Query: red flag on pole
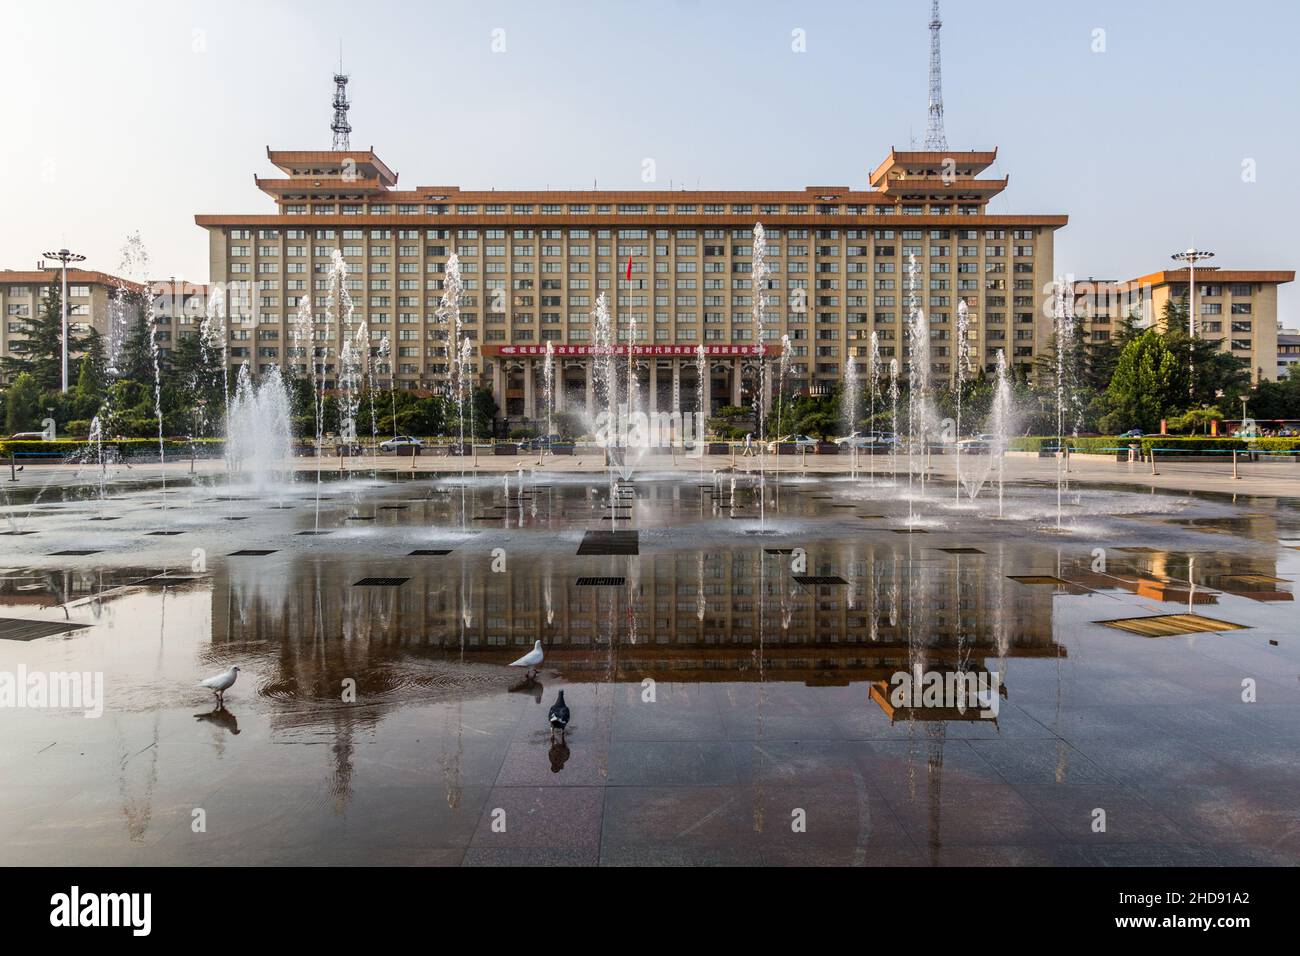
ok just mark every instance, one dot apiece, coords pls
pixel 629 268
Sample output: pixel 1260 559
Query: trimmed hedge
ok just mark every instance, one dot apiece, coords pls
pixel 126 448
pixel 1093 445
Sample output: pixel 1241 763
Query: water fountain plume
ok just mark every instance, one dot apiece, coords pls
pixel 259 430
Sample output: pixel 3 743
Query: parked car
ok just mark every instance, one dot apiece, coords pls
pixel 982 443
pixel 540 442
pixel 1134 433
pixel 27 436
pixel 802 441
pixel 870 440
pixel 1288 431
pixel 400 441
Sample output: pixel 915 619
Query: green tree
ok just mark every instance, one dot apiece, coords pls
pixel 1150 383
pixel 92 374
pixel 23 404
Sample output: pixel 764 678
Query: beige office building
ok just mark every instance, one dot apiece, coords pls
pixel 675 267
pixel 91 298
pixel 1236 308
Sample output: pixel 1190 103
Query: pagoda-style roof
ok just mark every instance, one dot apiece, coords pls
pixel 931 165
pixel 308 163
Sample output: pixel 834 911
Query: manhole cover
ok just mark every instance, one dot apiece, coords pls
pixel 600 582
pixel 250 553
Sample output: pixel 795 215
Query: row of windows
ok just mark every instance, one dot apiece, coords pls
pixel 627 209
pixel 916 235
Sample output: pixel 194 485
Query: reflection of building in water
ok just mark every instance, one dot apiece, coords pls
pixel 51 587
pixel 677 616
pixel 1194 577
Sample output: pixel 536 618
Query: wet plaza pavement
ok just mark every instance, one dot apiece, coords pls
pixel 728 669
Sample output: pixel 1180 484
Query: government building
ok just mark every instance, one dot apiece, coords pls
pixel 675 267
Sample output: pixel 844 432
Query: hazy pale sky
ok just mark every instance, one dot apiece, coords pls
pixel 132 115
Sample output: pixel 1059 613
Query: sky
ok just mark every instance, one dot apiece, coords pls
pixel 1153 125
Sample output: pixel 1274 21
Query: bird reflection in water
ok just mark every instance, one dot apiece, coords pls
pixel 221 717
pixel 559 755
pixel 529 685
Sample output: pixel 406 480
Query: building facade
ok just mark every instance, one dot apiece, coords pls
pixel 675 268
pixel 1288 351
pixel 1236 308
pixel 91 301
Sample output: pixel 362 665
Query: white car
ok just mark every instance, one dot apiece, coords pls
pixel 982 443
pixel 799 441
pixel 859 440
pixel 400 441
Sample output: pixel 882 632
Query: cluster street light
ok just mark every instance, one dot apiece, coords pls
pixel 64 256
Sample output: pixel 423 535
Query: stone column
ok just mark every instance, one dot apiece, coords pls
pixel 654 386
pixel 499 383
pixel 591 389
pixel 557 384
pixel 736 377
pixel 677 386
pixel 768 370
pixel 530 404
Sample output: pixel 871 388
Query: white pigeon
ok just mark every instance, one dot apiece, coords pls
pixel 531 659
pixel 221 683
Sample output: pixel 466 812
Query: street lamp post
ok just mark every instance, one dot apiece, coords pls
pixel 1191 257
pixel 64 256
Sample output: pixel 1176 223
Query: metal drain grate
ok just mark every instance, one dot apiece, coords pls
pixel 162 534
pixel 1172 625
pixel 250 553
pixel 16 534
pixel 17 629
pixel 600 582
pixel 380 582
pixel 961 550
pixel 810 581
pixel 778 550
pixel 359 518
pixel 1138 550
pixel 910 531
pixel 1037 579
pixel 432 552
pixel 106 519
pixel 392 507
pixel 237 517
pixel 74 553
pixel 310 534
pixel 872 517
pixel 610 542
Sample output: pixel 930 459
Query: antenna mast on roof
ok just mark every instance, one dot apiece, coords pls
pixel 340 126
pixel 935 138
